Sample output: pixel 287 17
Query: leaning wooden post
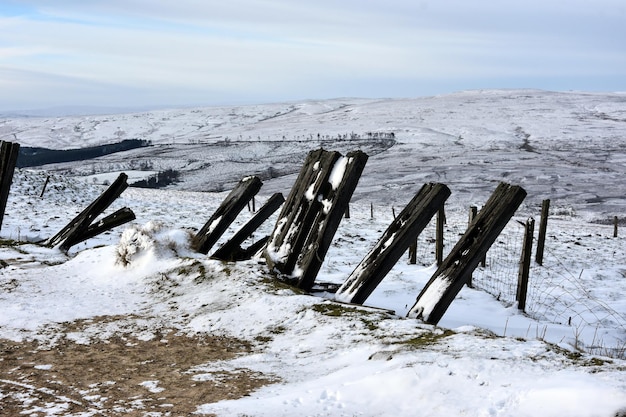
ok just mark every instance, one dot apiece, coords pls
pixel 524 266
pixel 225 214
pixel 231 250
pixel 73 231
pixel 452 274
pixel 394 242
pixel 9 152
pixel 311 215
pixel 615 223
pixel 45 184
pixel 543 226
pixel 441 220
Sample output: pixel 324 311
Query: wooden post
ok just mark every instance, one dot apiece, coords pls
pixel 543 226
pixel 120 217
pixel 472 215
pixel 393 243
pixel 347 213
pixel 452 274
pixel 9 152
pixel 615 223
pixel 524 266
pixel 441 220
pixel 311 214
pixel 413 253
pixel 45 184
pixel 225 214
pixel 79 225
pixel 231 250
pixel 372 211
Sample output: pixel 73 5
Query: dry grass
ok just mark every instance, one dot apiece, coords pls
pixel 105 377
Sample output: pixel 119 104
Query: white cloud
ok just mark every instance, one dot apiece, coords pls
pixel 273 47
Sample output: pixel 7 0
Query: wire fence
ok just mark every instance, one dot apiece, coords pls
pixel 565 290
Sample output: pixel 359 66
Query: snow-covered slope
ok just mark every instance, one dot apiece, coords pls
pixel 564 356
pixel 568 147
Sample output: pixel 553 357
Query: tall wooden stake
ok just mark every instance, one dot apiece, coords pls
pixel 543 226
pixel 524 266
pixel 441 220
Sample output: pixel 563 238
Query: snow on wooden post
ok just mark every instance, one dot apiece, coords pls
pixel 524 266
pixel 393 243
pixel 81 228
pixel 452 274
pixel 231 250
pixel 310 216
pixel 225 214
pixel 8 158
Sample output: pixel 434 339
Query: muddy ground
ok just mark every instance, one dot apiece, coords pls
pixel 122 374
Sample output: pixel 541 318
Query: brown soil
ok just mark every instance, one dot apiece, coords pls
pixel 104 377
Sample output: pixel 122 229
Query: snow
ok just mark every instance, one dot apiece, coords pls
pixel 485 358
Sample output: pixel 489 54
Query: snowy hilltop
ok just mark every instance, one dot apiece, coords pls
pixel 135 322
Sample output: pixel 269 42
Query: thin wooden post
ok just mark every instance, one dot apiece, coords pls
pixel 441 220
pixel 524 267
pixel 347 213
pixel 45 184
pixel 452 274
pixel 393 212
pixel 372 211
pixel 9 152
pixel 393 243
pixel 615 223
pixel 413 252
pixel 543 226
pixel 472 215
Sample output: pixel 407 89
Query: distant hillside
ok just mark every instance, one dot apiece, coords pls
pixel 31 157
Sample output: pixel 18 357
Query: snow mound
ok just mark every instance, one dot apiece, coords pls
pixel 143 244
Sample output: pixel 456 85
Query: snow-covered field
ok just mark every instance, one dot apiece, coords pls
pixel 565 356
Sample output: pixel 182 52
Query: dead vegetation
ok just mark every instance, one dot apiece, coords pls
pixel 168 375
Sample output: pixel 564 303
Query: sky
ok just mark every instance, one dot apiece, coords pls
pixel 151 53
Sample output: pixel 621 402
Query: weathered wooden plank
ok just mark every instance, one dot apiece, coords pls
pixel 297 210
pixel 226 213
pixel 334 199
pixel 120 217
pixel 231 250
pixel 8 158
pixel 400 234
pixel 312 213
pixel 453 273
pixel 78 226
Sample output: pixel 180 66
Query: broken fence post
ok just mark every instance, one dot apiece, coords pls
pixel 8 158
pixel 311 214
pixel 524 266
pixel 231 250
pixel 453 273
pixel 78 229
pixel 393 243
pixel 226 213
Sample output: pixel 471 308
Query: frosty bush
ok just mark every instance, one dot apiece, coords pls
pixel 152 240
